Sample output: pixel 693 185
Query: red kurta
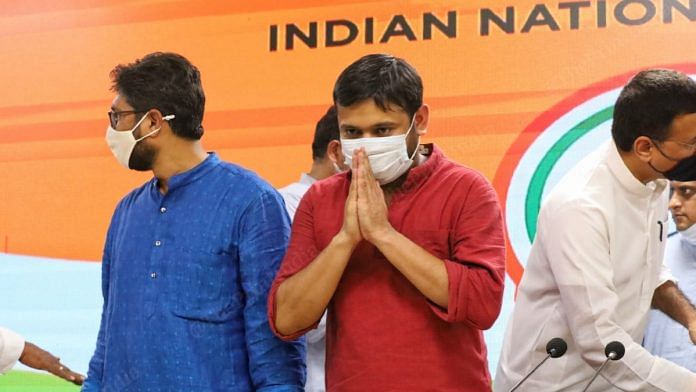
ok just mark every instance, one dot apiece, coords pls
pixel 382 333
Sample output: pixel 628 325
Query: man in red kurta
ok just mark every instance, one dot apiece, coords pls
pixel 406 250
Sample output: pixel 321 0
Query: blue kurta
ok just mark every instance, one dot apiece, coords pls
pixel 185 278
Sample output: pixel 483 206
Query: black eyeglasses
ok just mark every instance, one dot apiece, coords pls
pixel 115 115
pixel 691 147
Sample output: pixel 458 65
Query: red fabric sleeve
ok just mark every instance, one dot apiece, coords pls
pixel 302 250
pixel 476 272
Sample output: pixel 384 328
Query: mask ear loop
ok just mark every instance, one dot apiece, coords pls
pixel 415 151
pixel 410 128
pixel 165 118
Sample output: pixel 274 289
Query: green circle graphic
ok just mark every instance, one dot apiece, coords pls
pixel 543 170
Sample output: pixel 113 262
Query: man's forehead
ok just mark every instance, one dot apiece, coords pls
pixel 371 105
pixel 119 102
pixel 684 126
pixel 683 184
pixel 366 113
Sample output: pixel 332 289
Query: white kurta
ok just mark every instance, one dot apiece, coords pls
pixel 292 194
pixel 316 338
pixel 11 347
pixel 665 337
pixel 590 277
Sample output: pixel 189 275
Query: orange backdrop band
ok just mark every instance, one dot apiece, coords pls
pixel 489 67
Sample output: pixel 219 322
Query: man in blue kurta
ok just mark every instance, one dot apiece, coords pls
pixel 190 255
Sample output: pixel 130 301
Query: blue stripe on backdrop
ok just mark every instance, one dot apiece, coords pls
pixel 56 304
pixel 494 336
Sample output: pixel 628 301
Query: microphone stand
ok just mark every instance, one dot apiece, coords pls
pixel 611 357
pixel 530 373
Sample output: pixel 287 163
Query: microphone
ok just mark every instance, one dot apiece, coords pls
pixel 555 348
pixel 614 351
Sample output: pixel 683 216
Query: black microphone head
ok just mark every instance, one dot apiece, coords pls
pixel 556 347
pixel 617 348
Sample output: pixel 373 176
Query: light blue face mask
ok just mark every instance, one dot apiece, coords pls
pixel 388 155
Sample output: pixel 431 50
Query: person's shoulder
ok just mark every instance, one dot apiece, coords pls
pixel 587 184
pixel 461 171
pixel 336 183
pixel 296 189
pixel 677 250
pixel 244 190
pixel 141 191
pixel 583 194
pixel 452 173
pixel 125 205
pixel 243 179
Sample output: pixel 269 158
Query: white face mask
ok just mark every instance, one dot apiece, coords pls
pixel 388 155
pixel 689 235
pixel 122 143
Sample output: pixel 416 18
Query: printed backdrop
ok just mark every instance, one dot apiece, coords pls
pixel 519 90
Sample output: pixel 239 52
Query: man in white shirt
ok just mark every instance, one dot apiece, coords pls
pixel 665 337
pixel 595 267
pixel 327 160
pixel 13 348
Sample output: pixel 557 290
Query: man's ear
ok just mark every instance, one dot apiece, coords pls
pixel 642 147
pixel 155 121
pixel 333 151
pixel 335 154
pixel 422 117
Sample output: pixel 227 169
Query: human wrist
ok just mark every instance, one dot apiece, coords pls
pixel 691 322
pixel 343 239
pixel 383 237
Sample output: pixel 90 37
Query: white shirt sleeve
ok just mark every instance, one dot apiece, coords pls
pixel 582 267
pixel 666 276
pixel 292 200
pixel 11 348
pixel 317 334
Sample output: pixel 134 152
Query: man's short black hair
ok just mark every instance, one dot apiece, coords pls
pixel 386 79
pixel 167 82
pixel 324 133
pixel 649 103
